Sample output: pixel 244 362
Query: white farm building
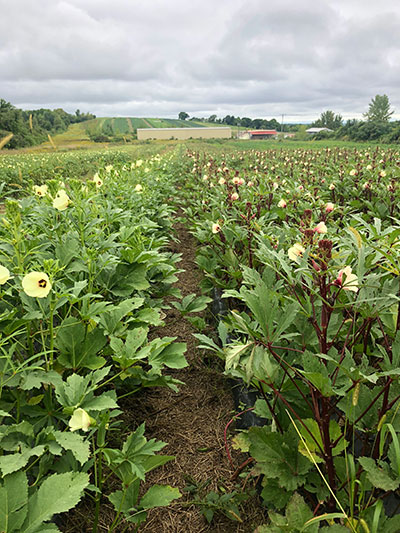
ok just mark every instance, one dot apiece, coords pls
pixel 312 131
pixel 184 133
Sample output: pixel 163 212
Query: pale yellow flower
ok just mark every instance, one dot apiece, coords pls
pixel 79 420
pixel 234 196
pixel 321 228
pixel 216 228
pixel 138 188
pixel 296 251
pixel 40 190
pixel 36 284
pixel 61 201
pixel 282 203
pixel 329 207
pixel 139 163
pixel 4 275
pixel 97 180
pixel 351 281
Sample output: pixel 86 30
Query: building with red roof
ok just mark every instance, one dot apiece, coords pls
pixel 262 134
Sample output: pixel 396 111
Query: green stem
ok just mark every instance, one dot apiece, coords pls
pixel 129 393
pixel 99 482
pixel 110 379
pixel 17 248
pixel 29 339
pixel 117 517
pixel 51 332
pixel 44 348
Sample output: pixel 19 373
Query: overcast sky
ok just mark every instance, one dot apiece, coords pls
pixel 154 58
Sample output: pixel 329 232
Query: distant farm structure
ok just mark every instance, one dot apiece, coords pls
pixel 262 134
pixel 258 134
pixel 313 131
pixel 183 133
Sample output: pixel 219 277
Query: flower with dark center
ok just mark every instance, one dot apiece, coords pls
pixel 36 284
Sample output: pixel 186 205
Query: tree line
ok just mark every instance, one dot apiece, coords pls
pixel 376 125
pixel 33 127
pixel 231 120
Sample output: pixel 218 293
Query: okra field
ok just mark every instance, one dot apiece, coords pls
pixel 110 360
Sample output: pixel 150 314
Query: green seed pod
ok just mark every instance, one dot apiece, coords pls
pixel 356 394
pixel 381 422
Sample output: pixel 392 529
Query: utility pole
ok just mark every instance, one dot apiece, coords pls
pixel 282 123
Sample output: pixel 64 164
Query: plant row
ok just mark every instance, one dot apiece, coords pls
pixel 83 276
pixel 17 169
pixel 305 247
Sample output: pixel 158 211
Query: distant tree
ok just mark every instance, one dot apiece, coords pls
pixel 379 109
pixel 212 118
pixel 328 119
pixel 258 123
pixel 357 130
pixel 183 115
pixel 44 121
pixel 273 124
pixel 229 119
pixel 394 135
pixel 5 105
pixel 301 134
pixel 246 122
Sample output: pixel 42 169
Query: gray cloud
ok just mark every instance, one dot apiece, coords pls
pixel 241 57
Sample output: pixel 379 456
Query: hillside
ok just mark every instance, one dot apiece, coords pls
pixel 126 125
pixel 106 129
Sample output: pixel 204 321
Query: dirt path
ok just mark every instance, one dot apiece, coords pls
pixel 147 122
pixel 192 422
pixel 130 127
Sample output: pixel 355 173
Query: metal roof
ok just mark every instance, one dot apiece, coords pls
pixel 262 132
pixel 317 130
pixel 200 128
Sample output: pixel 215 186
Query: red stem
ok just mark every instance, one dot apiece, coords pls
pixel 228 453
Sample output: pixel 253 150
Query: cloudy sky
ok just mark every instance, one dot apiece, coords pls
pixel 256 58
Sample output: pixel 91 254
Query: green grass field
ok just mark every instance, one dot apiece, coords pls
pixel 123 128
pixel 122 124
pixel 78 135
